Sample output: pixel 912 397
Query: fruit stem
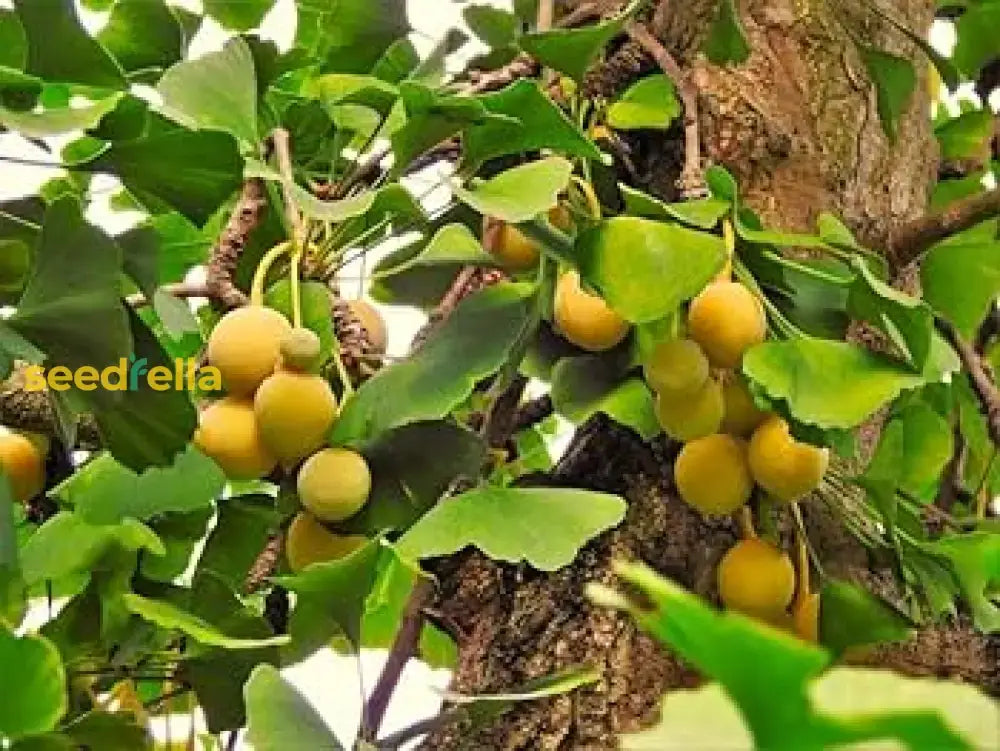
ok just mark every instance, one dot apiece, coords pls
pixel 745 519
pixel 786 327
pixel 293 274
pixel 593 203
pixel 260 275
pixel 802 554
pixel 342 374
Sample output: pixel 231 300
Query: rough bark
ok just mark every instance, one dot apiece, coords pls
pixel 798 126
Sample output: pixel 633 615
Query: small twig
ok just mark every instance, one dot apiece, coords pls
pixel 533 412
pixel 265 564
pixel 982 382
pixel 481 81
pixel 692 180
pixel 403 648
pixel 416 730
pixel 283 153
pixel 181 290
pixel 580 14
pixel 546 12
pixel 914 239
pixel 226 254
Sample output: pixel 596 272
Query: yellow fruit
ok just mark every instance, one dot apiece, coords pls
pixel 334 484
pixel 245 346
pixel 687 417
pixel 229 434
pixel 805 617
pixel 295 411
pixel 515 250
pixel 784 467
pixel 677 366
pixel 309 542
pixel 713 475
pixel 301 350
pixel 726 320
pixel 371 319
pixel 561 218
pixel 24 466
pixel 757 579
pixel 585 319
pixel 742 416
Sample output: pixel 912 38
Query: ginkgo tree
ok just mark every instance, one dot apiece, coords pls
pixel 745 251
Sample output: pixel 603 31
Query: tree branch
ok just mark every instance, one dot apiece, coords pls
pixel 914 239
pixel 283 153
pixel 692 181
pixel 982 381
pixel 226 254
pixel 182 290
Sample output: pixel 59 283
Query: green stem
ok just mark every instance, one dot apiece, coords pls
pixel 806 270
pixel 260 276
pixel 784 326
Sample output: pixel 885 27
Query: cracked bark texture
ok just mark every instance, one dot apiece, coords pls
pixel 798 127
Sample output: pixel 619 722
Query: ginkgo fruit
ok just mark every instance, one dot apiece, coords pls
pixel 786 468
pixel 334 484
pixel 678 366
pixel 301 350
pixel 686 417
pixel 374 323
pixel 742 415
pixel 308 542
pixel 245 346
pixel 295 411
pixel 805 617
pixel 518 252
pixel 228 433
pixel 23 464
pixel 757 579
pixel 585 319
pixel 726 320
pixel 713 475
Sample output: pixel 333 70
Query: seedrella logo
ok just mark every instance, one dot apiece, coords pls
pixel 129 374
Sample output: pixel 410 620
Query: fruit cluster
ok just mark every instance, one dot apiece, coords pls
pixel 22 459
pixel 279 410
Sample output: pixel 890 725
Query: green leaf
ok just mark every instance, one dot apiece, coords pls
pixel 977 43
pixel 33 683
pixel 495 27
pixel 330 599
pixel 66 544
pixel 350 35
pixel 907 321
pixel 452 244
pixel 169 616
pixel 651 102
pixel 193 172
pixel 825 383
pixel 521 193
pixel 412 467
pixel 181 534
pixel 646 269
pixel 472 344
pixel 280 718
pixel 13 41
pixel 15 347
pixel 966 136
pixel 238 15
pixel 538 124
pixel 507 523
pixel 583 386
pixel 314 299
pixel 240 533
pixel 105 492
pixel 55 121
pixel 143 34
pixel 71 307
pixel 571 51
pixel 727 42
pixel 975 560
pixel 60 49
pixel 851 616
pixel 703 213
pixel 894 80
pixel 960 281
pixel 214 92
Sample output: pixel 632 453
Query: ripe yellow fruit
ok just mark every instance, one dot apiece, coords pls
pixel 228 432
pixel 518 252
pixel 301 350
pixel 677 366
pixel 757 579
pixel 245 346
pixel 295 411
pixel 713 474
pixel 24 466
pixel 784 467
pixel 742 416
pixel 805 617
pixel 726 320
pixel 334 484
pixel 374 323
pixel 585 319
pixel 309 542
pixel 687 417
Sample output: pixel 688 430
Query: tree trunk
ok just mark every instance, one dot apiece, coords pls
pixel 798 126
